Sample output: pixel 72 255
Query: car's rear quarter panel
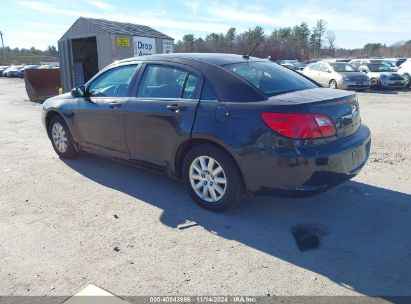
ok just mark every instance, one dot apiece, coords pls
pixel 245 136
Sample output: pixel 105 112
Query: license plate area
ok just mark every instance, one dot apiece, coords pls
pixel 358 156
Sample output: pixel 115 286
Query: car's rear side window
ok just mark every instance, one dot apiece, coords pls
pixel 161 81
pixel 270 78
pixel 315 66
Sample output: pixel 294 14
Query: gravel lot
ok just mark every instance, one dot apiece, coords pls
pixel 60 221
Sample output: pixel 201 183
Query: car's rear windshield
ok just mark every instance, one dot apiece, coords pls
pixel 270 78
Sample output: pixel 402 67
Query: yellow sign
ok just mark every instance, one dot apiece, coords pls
pixel 123 41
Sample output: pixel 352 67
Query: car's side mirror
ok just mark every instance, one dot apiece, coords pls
pixel 78 92
pixel 329 71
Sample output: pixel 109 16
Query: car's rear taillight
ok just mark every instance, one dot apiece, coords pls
pixel 300 126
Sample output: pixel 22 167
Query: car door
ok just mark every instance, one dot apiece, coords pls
pixel 162 114
pixel 99 116
pixel 324 75
pixel 313 71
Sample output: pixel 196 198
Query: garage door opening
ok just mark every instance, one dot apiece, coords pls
pixel 85 62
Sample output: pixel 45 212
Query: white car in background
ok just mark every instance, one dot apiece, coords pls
pixel 405 71
pixel 395 62
pixel 359 62
pixel 383 76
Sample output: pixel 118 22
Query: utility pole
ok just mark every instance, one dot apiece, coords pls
pixel 2 44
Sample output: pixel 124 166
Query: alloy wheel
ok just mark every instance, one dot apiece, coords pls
pixel 374 82
pixel 208 179
pixel 59 136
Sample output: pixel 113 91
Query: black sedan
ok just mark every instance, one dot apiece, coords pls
pixel 227 125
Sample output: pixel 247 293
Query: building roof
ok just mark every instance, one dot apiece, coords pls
pixel 126 28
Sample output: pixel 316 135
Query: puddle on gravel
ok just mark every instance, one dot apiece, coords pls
pixel 308 236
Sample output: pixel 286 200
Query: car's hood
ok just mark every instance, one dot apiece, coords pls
pixel 62 96
pixel 59 101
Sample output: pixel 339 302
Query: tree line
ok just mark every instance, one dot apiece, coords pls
pixel 398 49
pixel 51 51
pixel 299 42
pixel 10 55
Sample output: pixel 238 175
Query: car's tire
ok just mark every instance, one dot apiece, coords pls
pixel 407 78
pixel 216 187
pixel 61 138
pixel 374 83
pixel 333 84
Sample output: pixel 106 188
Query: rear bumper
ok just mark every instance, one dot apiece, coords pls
pixel 314 168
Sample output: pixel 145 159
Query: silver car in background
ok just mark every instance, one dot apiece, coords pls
pixel 405 71
pixel 359 62
pixel 12 71
pixel 337 75
pixel 383 76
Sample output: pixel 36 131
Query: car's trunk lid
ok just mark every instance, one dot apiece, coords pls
pixel 341 106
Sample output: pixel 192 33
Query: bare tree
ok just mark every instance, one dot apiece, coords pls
pixel 330 39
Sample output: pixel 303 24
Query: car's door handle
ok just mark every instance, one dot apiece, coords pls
pixel 176 108
pixel 115 105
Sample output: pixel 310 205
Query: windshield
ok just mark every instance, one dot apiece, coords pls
pixel 382 61
pixel 379 68
pixel 389 63
pixel 343 67
pixel 270 78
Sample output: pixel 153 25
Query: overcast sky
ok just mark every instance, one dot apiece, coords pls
pixel 355 22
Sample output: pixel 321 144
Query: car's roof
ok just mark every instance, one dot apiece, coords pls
pixel 211 58
pixel 210 64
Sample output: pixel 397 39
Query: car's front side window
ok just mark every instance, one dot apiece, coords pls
pixel 113 83
pixel 324 68
pixel 190 87
pixel 343 67
pixel 161 81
